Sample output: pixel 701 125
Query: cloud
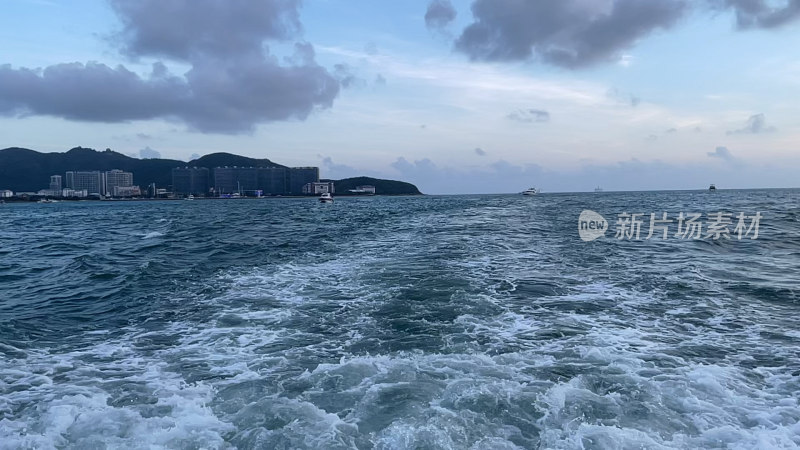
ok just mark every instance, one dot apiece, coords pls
pixel 233 84
pixel 529 115
pixel 199 29
pixel 346 76
pixel 144 136
pixel 480 152
pixel 623 97
pixel 722 153
pixel 194 156
pixel 371 48
pixel 672 131
pixel 566 33
pixel 149 153
pixel 439 14
pixel 756 124
pixel 761 13
pixel 335 171
pixel 380 80
pixel 580 33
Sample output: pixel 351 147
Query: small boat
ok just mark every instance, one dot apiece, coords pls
pixel 712 188
pixel 190 197
pixel 530 191
pixel 598 189
pixel 326 198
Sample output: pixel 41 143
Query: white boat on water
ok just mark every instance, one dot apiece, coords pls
pixel 190 197
pixel 530 191
pixel 326 198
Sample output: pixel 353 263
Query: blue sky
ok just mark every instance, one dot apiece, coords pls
pixel 670 97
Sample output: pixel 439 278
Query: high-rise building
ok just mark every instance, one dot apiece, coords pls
pixel 273 180
pixel 93 182
pixel 250 180
pixel 55 182
pixel 190 180
pixel 229 180
pixel 300 176
pixel 118 178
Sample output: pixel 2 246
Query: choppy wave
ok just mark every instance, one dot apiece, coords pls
pixel 445 322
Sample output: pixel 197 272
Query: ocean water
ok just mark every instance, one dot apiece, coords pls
pixel 474 322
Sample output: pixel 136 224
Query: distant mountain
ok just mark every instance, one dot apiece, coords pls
pixel 24 170
pixel 382 187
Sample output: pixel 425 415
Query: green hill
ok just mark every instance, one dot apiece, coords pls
pixel 27 170
pixel 382 187
pixel 228 159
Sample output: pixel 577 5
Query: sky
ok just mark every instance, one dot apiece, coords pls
pixel 456 96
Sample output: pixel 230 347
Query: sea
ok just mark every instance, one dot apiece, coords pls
pixel 424 322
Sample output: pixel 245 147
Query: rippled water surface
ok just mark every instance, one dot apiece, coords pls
pixel 478 322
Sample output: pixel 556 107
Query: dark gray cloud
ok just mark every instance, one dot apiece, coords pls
pixel 756 124
pixel 234 82
pixel 579 33
pixel 761 13
pixel 722 153
pixel 480 152
pixel 567 33
pixel 149 153
pixel 529 115
pixel 191 29
pixel 90 92
pixel 439 14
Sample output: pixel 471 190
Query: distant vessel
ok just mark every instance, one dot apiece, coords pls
pixel 530 191
pixel 325 198
pixel 190 197
pixel 48 200
pixel 598 189
pixel 712 188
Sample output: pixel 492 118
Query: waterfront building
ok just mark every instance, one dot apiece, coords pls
pixel 273 180
pixel 300 176
pixel 190 180
pixel 93 182
pixel 240 180
pixel 126 191
pixel 117 178
pixel 319 187
pixel 55 182
pixel 364 189
pixel 80 193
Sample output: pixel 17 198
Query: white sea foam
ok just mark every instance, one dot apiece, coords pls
pixel 263 377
